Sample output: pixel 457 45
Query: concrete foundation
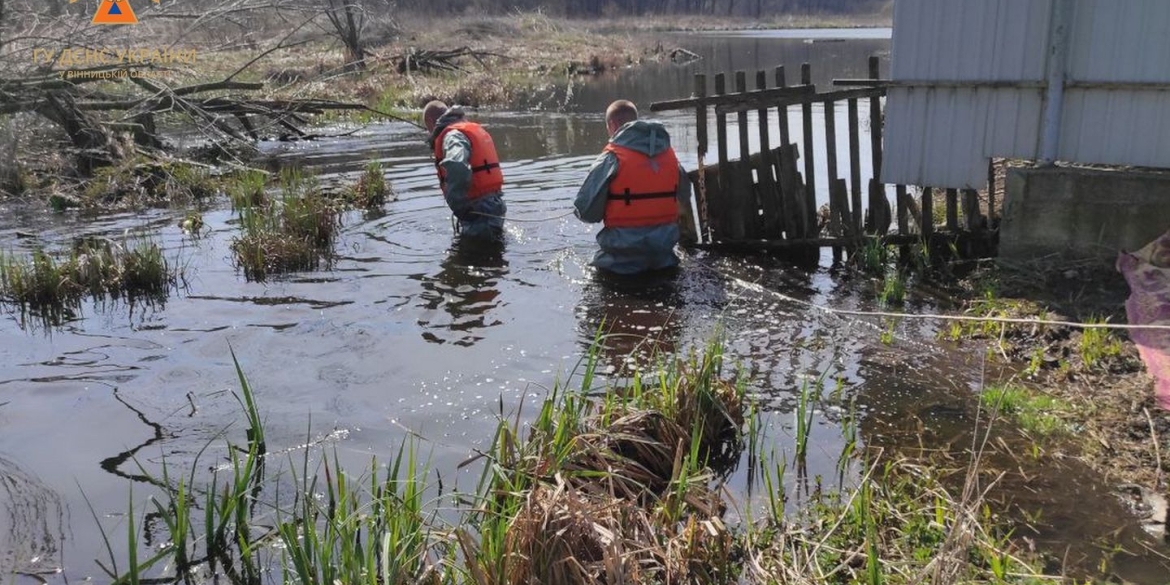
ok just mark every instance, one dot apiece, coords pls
pixel 1077 214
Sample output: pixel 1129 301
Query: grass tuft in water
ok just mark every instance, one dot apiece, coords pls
pixel 617 485
pixel 371 190
pixel 295 232
pixel 99 267
pixel 899 524
pixel 247 189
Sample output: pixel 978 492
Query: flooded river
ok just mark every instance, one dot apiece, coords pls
pixel 408 332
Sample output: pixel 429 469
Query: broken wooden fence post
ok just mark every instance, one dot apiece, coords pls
pixel 726 185
pixel 772 221
pixel 701 135
pixel 952 210
pixel 742 224
pixel 810 179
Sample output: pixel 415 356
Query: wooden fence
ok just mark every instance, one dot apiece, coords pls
pixel 767 199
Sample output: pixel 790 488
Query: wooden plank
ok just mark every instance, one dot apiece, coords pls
pixel 972 217
pixel 718 207
pixel 926 218
pixel 751 103
pixel 879 208
pixel 838 211
pixel 810 176
pixel 701 135
pixel 952 210
pixel 771 222
pixel 991 193
pixel 743 200
pixel 710 180
pixel 840 222
pixel 903 220
pixel 752 98
pixel 701 113
pixel 793 192
pixel 855 165
pixel 838 207
pixel 875 139
pixel 869 82
pixel 782 112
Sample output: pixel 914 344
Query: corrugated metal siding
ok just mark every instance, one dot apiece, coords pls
pixel 1120 41
pixel 965 40
pixel 944 136
pixel 1119 127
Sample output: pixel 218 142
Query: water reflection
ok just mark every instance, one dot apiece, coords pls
pixel 466 288
pixel 36 523
pixel 637 316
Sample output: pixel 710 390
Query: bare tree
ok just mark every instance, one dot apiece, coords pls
pixel 349 20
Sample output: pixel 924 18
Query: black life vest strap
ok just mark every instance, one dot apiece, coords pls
pixel 486 167
pixel 628 197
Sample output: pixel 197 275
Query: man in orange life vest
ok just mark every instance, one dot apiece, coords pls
pixel 469 171
pixel 637 187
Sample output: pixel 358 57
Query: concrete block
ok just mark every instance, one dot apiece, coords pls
pixel 1078 214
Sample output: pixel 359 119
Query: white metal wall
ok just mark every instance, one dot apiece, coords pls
pixel 969 85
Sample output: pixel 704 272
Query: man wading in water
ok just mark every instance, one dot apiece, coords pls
pixel 637 187
pixel 469 171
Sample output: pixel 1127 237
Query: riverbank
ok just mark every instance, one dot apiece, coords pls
pixel 1084 391
pixel 611 481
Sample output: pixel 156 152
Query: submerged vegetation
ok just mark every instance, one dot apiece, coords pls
pixel 617 485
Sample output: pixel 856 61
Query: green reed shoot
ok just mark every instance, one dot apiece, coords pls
pixel 1098 343
pixel 804 418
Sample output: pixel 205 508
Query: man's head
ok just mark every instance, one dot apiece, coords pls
pixel 619 114
pixel 432 112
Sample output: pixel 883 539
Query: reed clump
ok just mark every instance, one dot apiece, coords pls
pixel 620 488
pixel 99 267
pixel 293 232
pixel 371 190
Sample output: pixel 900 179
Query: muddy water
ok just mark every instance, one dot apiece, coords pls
pixel 408 331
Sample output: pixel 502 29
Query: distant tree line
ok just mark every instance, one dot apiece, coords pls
pixel 596 8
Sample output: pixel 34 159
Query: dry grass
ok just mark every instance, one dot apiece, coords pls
pixel 614 489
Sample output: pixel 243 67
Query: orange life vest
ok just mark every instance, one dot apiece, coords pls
pixel 643 193
pixel 486 177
